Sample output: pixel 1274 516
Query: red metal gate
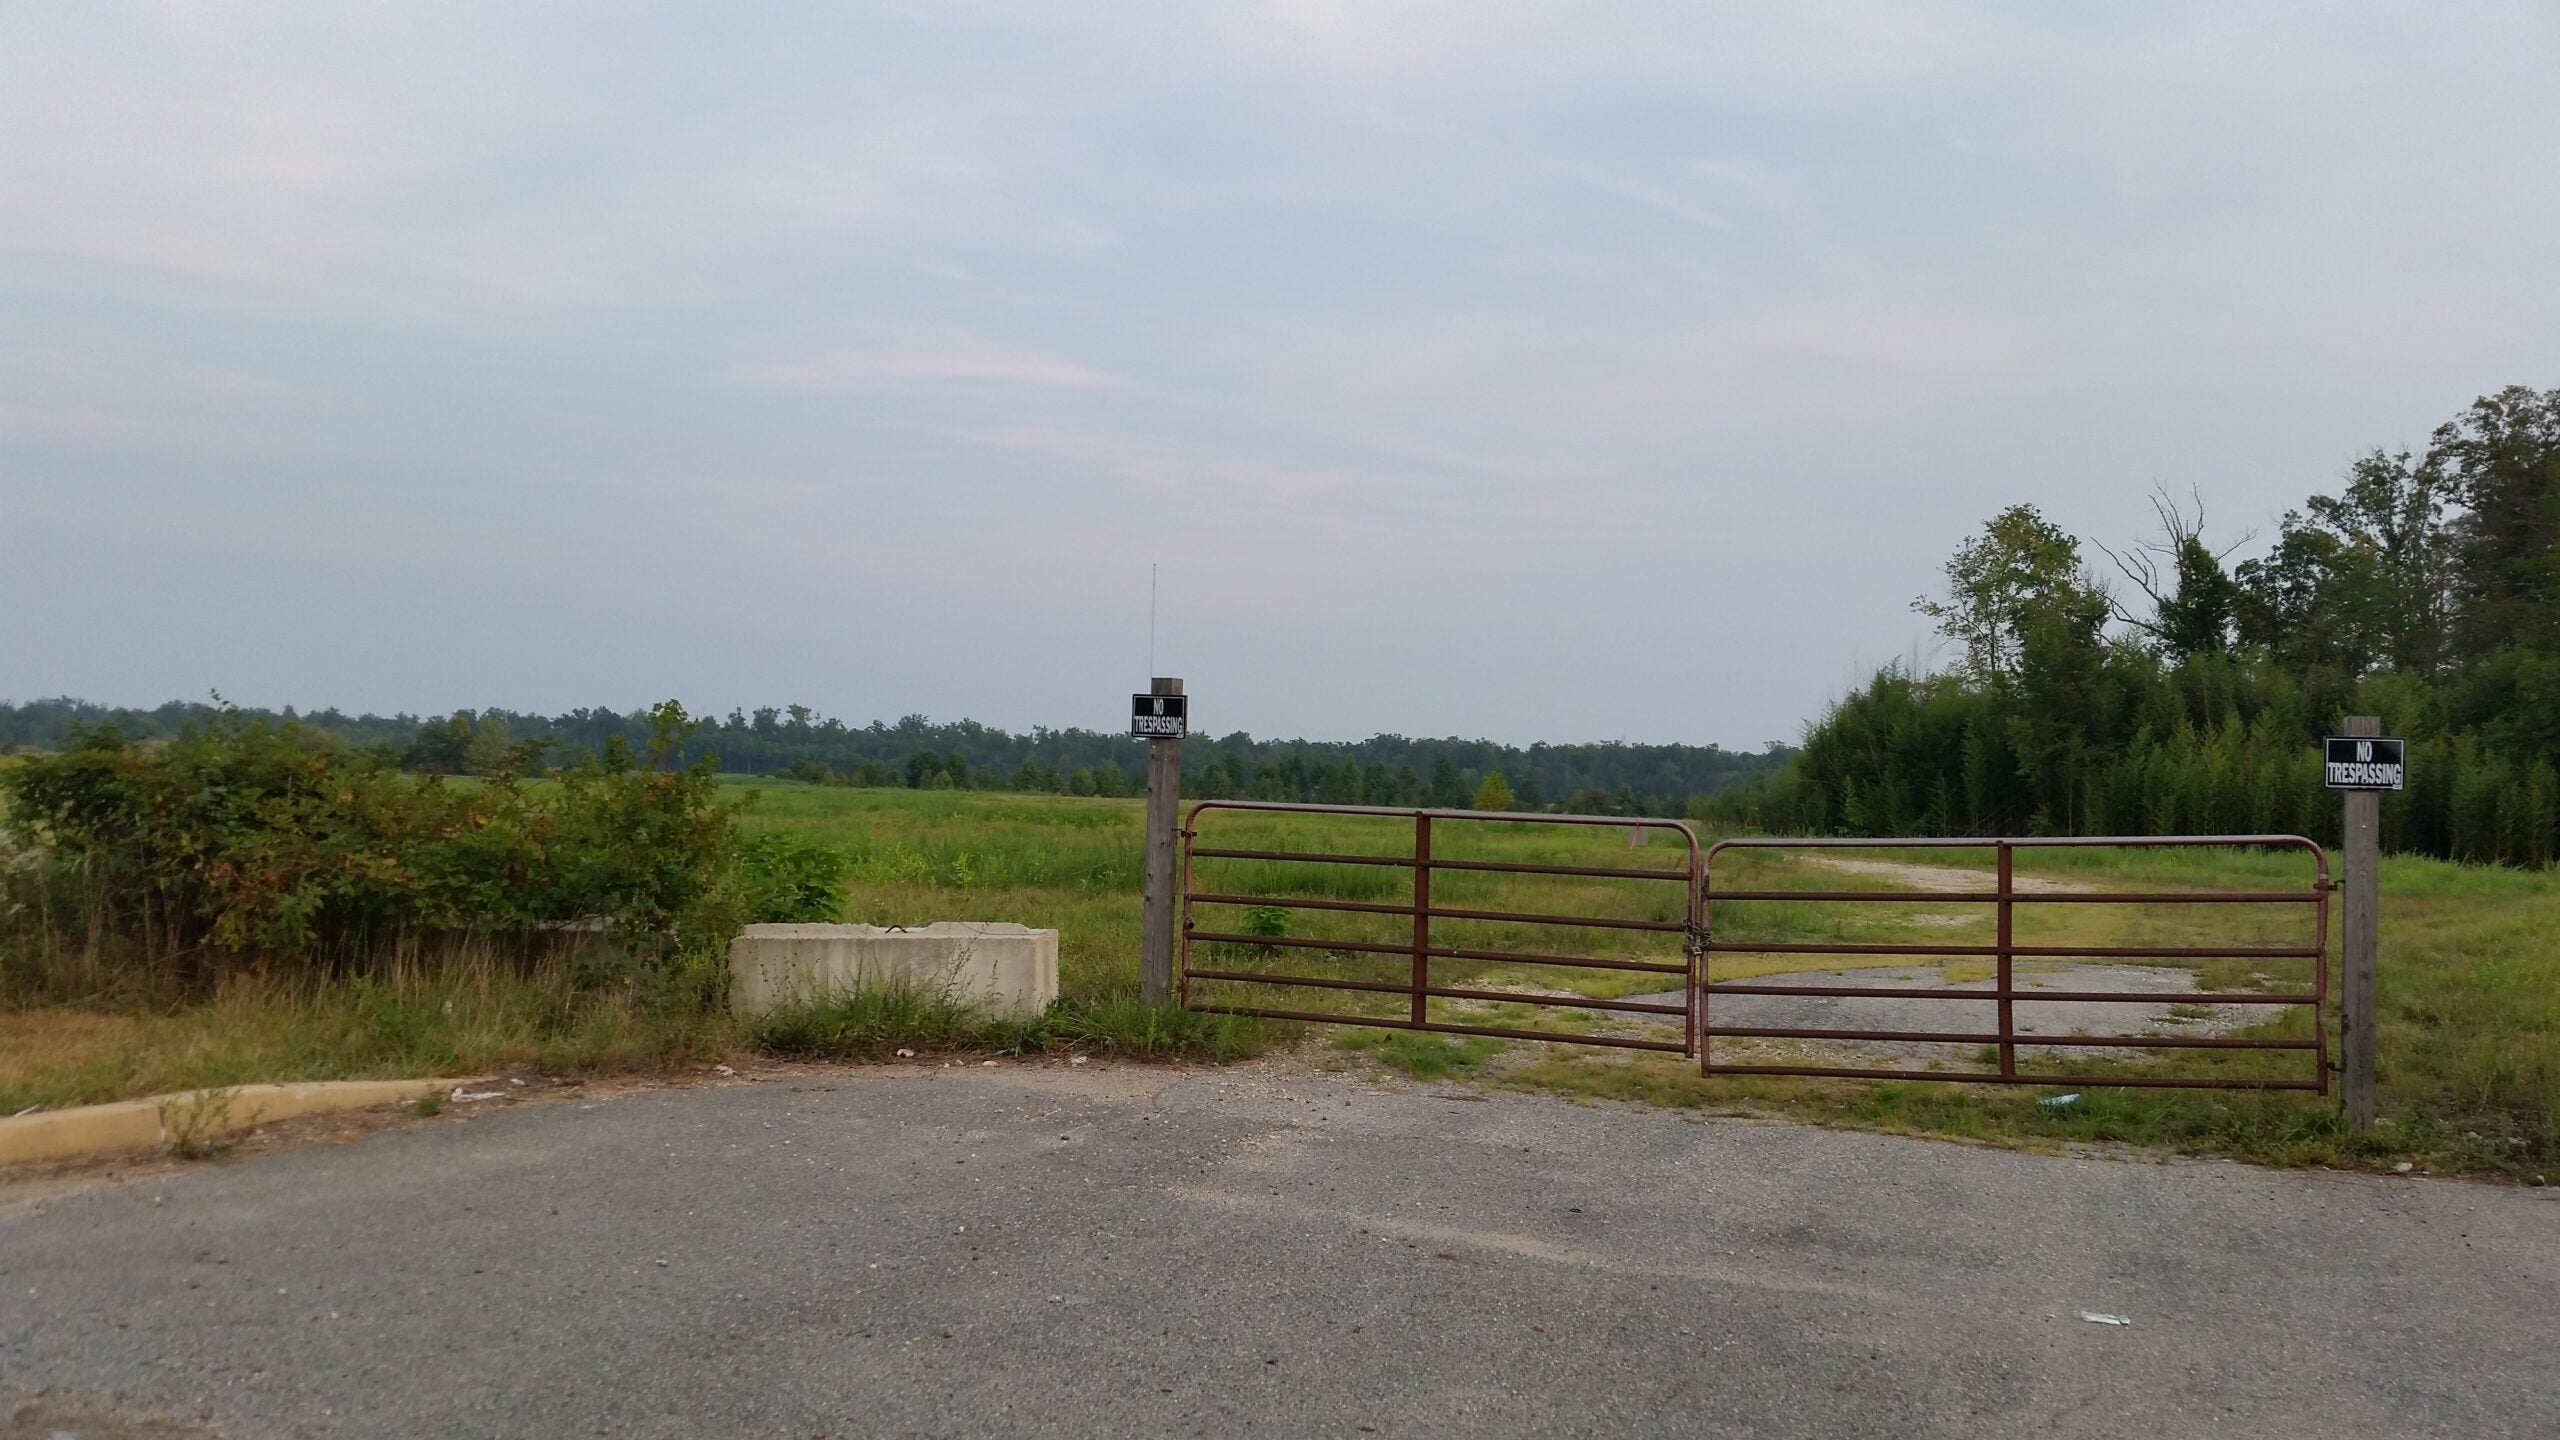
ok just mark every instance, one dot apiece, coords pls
pixel 1417 945
pixel 2005 896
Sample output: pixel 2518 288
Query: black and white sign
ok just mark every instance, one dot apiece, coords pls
pixel 1159 717
pixel 2357 763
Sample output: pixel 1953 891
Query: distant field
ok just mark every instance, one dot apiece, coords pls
pixel 2471 975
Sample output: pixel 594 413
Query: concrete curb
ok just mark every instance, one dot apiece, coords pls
pixel 157 1121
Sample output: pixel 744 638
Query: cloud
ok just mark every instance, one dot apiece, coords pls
pixel 1469 310
pixel 68 422
pixel 1473 51
pixel 1416 515
pixel 962 359
pixel 215 380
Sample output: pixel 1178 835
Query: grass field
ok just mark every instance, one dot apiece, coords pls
pixel 2470 998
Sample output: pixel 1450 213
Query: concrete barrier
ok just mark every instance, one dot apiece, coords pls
pixel 1003 971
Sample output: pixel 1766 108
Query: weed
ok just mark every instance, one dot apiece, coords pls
pixel 1128 1027
pixel 194 1124
pixel 1270 922
pixel 872 1022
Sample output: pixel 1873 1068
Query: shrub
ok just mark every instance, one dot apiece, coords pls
pixel 785 878
pixel 246 843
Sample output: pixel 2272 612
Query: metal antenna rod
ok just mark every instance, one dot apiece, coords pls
pixel 1151 618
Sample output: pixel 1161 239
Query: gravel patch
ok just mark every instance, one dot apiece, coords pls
pixel 2176 988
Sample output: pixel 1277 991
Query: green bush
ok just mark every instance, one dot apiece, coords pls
pixel 786 878
pixel 245 843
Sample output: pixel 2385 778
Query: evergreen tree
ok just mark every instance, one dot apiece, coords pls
pixel 1447 791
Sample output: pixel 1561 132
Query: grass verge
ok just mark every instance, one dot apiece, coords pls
pixel 2269 1129
pixel 254 1029
pixel 875 1023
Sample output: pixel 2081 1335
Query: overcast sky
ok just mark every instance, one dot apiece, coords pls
pixel 1562 372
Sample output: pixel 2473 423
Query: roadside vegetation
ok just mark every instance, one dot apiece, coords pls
pixel 2470 1008
pixel 256 901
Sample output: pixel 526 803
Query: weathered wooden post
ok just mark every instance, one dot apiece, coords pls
pixel 1162 717
pixel 2363 765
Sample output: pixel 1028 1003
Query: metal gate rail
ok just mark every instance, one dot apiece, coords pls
pixel 1419 946
pixel 2006 896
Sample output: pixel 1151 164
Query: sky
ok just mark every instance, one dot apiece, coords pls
pixel 1575 371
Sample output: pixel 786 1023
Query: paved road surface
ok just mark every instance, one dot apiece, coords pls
pixel 1104 1251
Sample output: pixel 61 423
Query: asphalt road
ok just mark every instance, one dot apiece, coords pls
pixel 1109 1251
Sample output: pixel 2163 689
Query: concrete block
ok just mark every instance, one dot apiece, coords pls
pixel 1001 970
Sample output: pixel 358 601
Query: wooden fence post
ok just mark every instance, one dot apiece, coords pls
pixel 2358 1019
pixel 1164 824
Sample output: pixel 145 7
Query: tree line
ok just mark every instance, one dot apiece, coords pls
pixel 795 741
pixel 2188 694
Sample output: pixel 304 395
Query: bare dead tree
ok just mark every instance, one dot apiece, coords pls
pixel 2153 565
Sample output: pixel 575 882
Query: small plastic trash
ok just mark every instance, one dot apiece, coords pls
pixel 461 1096
pixel 2094 1318
pixel 2059 1102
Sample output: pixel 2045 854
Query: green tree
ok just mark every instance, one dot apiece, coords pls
pixel 489 753
pixel 442 747
pixel 1447 791
pixel 2020 573
pixel 2500 460
pixel 2416 592
pixel 2194 601
pixel 922 767
pixel 2358 580
pixel 1492 792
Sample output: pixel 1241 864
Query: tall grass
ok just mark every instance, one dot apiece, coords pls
pixel 468 1009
